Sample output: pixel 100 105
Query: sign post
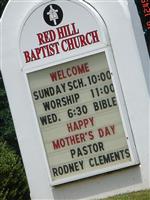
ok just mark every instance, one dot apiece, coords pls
pixel 78 120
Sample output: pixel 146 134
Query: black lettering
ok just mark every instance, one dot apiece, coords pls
pixel 70 86
pixel 85 151
pixel 55 173
pixel 114 101
pixel 72 151
pixel 36 97
pixel 96 107
pixel 101 146
pixel 110 157
pixel 127 153
pixel 91 163
pixel 46 106
pixel 60 170
pixel 117 156
pixel 43 120
pixel 68 168
pixel 105 103
pixel 75 84
pixel 88 149
pixel 48 119
pixel 60 102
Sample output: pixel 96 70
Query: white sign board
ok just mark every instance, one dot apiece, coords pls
pixel 75 102
pixel 79 118
pixel 76 88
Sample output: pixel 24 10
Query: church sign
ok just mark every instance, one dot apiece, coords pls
pixel 78 104
pixel 75 73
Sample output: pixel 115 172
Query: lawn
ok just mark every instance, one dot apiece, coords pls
pixel 142 195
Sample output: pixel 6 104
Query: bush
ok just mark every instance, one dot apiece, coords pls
pixel 12 175
pixel 7 131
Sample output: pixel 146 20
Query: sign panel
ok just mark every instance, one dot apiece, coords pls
pixel 79 118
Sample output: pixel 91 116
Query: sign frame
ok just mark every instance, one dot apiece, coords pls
pixel 122 109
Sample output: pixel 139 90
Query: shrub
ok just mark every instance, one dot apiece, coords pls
pixel 13 180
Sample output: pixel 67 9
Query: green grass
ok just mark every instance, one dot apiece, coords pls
pixel 142 195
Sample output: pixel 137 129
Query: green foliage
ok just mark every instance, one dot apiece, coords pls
pixel 2 5
pixel 12 175
pixel 7 131
pixel 13 181
pixel 141 195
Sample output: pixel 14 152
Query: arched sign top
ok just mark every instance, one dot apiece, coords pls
pixel 56 30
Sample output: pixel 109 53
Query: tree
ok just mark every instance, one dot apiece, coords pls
pixel 7 131
pixel 12 175
pixel 13 181
pixel 2 6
